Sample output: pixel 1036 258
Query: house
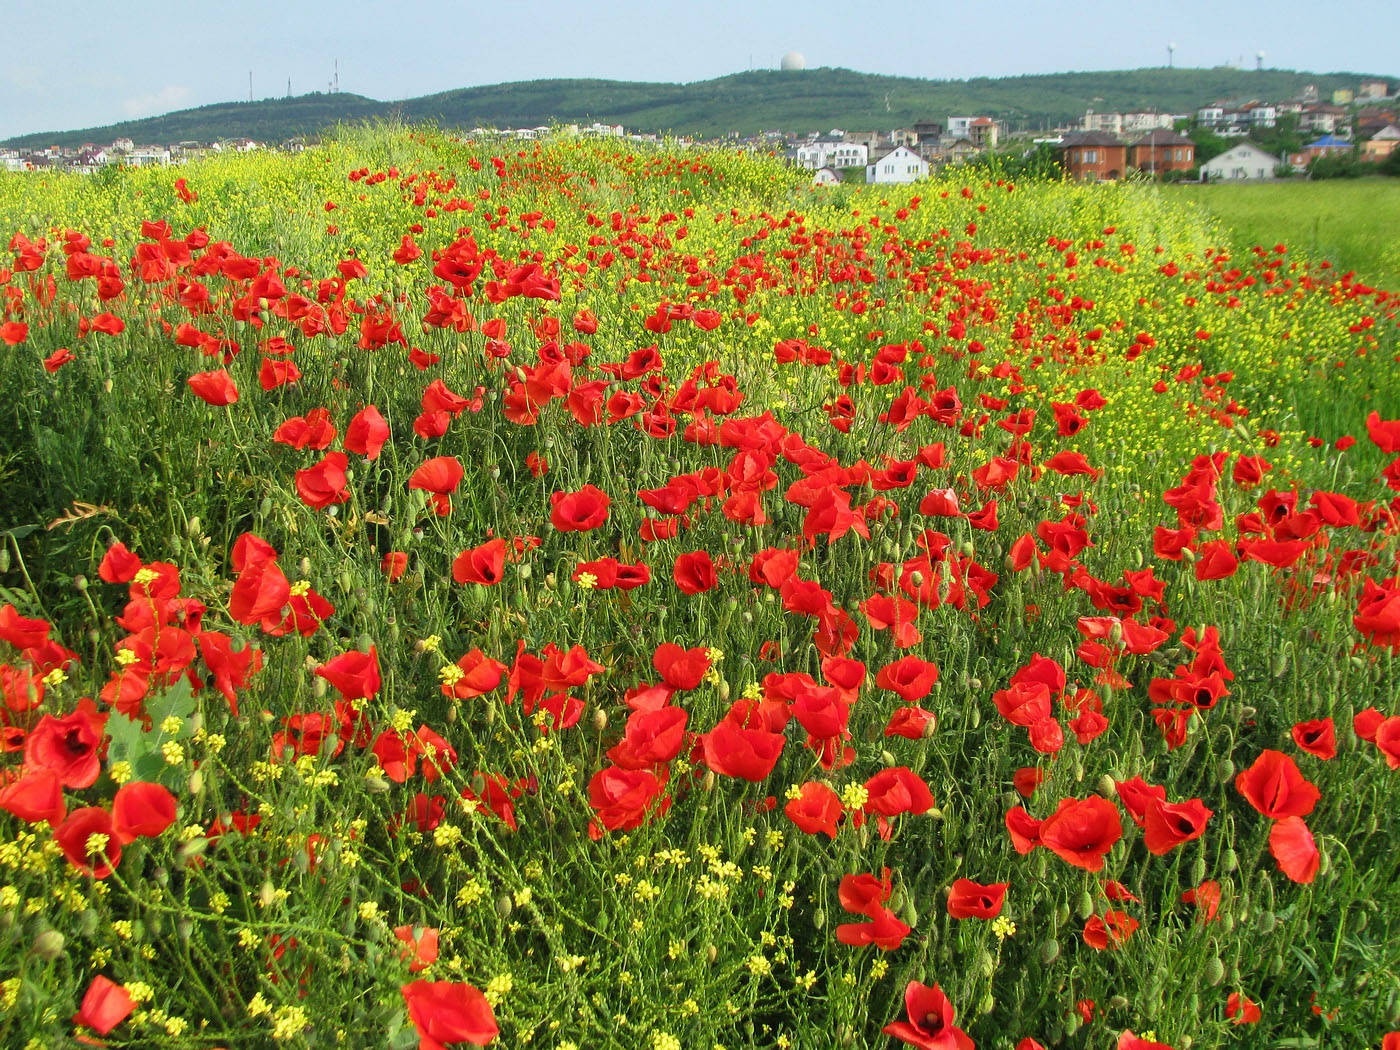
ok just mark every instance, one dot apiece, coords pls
pixel 147 157
pixel 926 133
pixel 831 151
pixel 1321 118
pixel 1373 89
pixel 957 127
pixel 1211 116
pixel 1242 161
pixel 1137 123
pixel 984 133
pixel 1326 146
pixel 1371 119
pixel 1260 114
pixel 1382 144
pixel 956 152
pixel 899 165
pixel 826 177
pixel 1094 155
pixel 1108 123
pixel 1160 151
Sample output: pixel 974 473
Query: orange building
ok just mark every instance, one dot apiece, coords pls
pixel 1094 155
pixel 1161 151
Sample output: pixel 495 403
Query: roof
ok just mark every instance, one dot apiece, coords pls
pixel 980 122
pixel 1092 138
pixel 1328 140
pixel 1244 147
pixel 1163 137
pixel 1389 133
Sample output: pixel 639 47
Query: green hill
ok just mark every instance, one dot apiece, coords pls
pixel 744 103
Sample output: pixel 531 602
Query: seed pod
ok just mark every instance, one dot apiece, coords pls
pixel 48 945
pixel 1215 970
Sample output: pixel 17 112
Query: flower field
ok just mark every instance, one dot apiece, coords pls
pixel 571 597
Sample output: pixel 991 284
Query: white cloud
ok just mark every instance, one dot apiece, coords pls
pixel 162 101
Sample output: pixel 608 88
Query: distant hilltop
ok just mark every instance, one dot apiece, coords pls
pixel 743 104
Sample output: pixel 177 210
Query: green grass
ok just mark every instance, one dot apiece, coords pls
pixel 1352 224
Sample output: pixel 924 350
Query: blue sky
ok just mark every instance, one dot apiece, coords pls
pixel 79 64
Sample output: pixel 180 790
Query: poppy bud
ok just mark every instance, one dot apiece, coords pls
pixel 723 690
pixel 1086 905
pixel 4 559
pixel 986 963
pixel 196 784
pixel 318 688
pixel 974 684
pixel 184 927
pixel 48 945
pixel 1198 870
pixel 526 571
pixel 1280 667
pixel 819 919
pixel 87 923
pixel 267 893
pixel 1061 913
pixel 504 905
pixel 1224 770
pixel 600 720
pixel 1118 1002
pixel 888 759
pixel 711 954
pixel 80 584
pixel 1215 970
pixel 707 782
pixel 974 718
pixel 376 785
pixel 1107 787
pixel 1049 951
pixel 988 1004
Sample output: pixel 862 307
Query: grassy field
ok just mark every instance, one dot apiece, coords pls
pixel 583 597
pixel 1353 224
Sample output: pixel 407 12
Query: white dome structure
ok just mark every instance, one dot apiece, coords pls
pixel 793 60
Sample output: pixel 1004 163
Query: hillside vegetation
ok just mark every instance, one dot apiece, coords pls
pixel 743 103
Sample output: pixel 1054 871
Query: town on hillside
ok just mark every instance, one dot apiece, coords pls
pixel 1223 140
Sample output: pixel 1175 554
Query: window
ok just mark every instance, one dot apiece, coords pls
pixel 1090 156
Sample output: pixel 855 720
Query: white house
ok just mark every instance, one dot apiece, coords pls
pixel 832 152
pixel 899 165
pixel 826 177
pixel 1244 161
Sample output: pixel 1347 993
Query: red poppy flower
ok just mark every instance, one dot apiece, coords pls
pixel 1111 931
pixel 394 565
pixel 354 674
pixel 910 678
pixel 480 675
pixel 734 751
pixel 1169 824
pixel 579 511
pixel 621 798
pixel 972 900
pixel 69 746
pixel 884 930
pixel 215 388
pixel 930 1021
pixel 1317 737
pixel 694 572
pixel 440 475
pixel 1081 832
pixel 1276 788
pixel 1129 1041
pixel 1240 1009
pixel 912 723
pixel 682 669
pixel 484 564
pixel 817 809
pixel 36 796
pixel 1206 898
pixel 420 946
pixel 449 1012
pixel 323 484
pixel 140 809
pixel 106 1004
pixel 367 433
pixel 1293 847
pixel 90 827
pixel 650 738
